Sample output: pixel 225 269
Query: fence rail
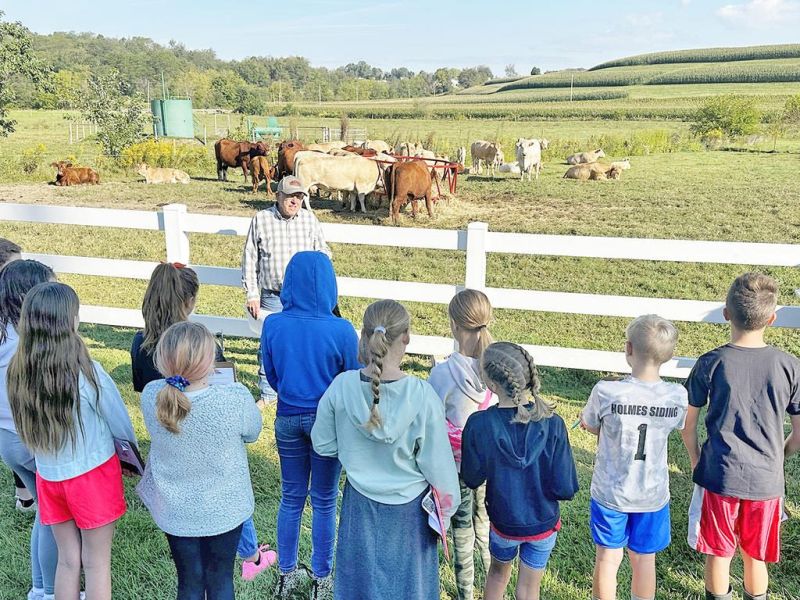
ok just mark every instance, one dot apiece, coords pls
pixel 476 242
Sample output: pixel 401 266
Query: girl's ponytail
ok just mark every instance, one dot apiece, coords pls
pixel 472 311
pixel 172 406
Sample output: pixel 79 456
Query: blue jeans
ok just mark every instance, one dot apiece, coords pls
pixel 44 552
pixel 270 303
pixel 533 555
pixel 248 542
pixel 299 464
pixel 205 565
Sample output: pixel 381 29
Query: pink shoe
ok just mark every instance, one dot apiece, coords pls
pixel 266 558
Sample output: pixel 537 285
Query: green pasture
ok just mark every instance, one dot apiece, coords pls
pixel 746 195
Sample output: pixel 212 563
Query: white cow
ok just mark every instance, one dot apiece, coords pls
pixel 529 156
pixel 357 175
pixel 326 146
pixel 377 145
pixel 408 148
pixel 488 153
pixel 509 168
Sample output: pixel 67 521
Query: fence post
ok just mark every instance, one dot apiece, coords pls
pixel 175 233
pixel 476 255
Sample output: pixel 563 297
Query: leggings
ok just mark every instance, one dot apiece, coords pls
pixel 205 565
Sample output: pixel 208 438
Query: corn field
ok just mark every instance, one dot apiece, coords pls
pixel 706 55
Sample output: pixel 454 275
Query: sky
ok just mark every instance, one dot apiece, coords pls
pixel 424 34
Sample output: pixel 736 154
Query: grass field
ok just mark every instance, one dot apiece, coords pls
pixel 745 196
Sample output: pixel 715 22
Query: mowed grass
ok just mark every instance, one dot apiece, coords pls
pixel 708 195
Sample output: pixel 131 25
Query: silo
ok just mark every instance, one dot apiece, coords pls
pixel 172 118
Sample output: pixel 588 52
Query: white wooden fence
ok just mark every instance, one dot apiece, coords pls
pixel 476 242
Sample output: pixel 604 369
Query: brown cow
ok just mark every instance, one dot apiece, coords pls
pixel 260 169
pixel 230 153
pixel 66 174
pixel 286 151
pixel 407 182
pixel 365 152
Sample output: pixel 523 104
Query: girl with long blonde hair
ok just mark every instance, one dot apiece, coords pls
pixel 459 384
pixel 388 430
pixel 68 411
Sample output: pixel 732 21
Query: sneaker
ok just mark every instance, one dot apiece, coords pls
pixel 266 558
pixel 36 594
pixel 289 582
pixel 26 506
pixel 322 588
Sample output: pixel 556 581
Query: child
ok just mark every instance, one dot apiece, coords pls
pixel 388 430
pixel 170 298
pixel 739 478
pixel 9 252
pixel 458 383
pixel 16 280
pixel 303 348
pixel 630 487
pixel 196 483
pixel 520 449
pixel 68 411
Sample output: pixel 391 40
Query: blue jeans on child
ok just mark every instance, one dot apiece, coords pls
pixel 299 464
pixel 270 303
pixel 533 555
pixel 248 541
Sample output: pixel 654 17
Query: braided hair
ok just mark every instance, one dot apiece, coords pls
pixel 511 367
pixel 384 322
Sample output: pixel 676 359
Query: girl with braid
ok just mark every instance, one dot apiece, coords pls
pixel 520 449
pixel 388 430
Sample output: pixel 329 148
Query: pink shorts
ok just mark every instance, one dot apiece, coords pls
pixel 91 500
pixel 720 524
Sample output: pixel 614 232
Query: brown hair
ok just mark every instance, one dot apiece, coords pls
pixel 7 250
pixel 384 322
pixel 653 337
pixel 511 367
pixel 43 377
pixel 471 310
pixel 168 299
pixel 752 300
pixel 185 349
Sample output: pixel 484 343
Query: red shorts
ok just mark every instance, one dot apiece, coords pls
pixel 91 500
pixel 720 524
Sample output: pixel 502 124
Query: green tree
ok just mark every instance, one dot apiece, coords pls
pixel 474 76
pixel 732 116
pixel 536 71
pixel 511 71
pixel 791 111
pixel 16 59
pixel 120 118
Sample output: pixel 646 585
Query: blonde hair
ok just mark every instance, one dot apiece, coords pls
pixel 384 322
pixel 188 350
pixel 653 337
pixel 43 376
pixel 168 299
pixel 471 310
pixel 511 367
pixel 752 300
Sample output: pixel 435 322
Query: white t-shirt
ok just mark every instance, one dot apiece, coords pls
pixel 635 419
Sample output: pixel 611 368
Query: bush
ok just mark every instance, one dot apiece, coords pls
pixel 167 153
pixel 732 115
pixel 31 158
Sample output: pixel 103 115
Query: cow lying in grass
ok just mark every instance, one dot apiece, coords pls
pixel 593 172
pixel 162 175
pixel 66 174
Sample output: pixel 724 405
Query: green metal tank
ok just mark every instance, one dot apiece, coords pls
pixel 172 118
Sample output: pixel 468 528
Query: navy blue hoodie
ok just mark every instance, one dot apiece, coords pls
pixel 527 468
pixel 305 346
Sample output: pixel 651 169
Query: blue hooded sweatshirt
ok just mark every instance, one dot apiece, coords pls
pixel 527 468
pixel 305 346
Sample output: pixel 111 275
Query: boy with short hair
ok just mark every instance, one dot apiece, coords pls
pixel 633 418
pixel 748 386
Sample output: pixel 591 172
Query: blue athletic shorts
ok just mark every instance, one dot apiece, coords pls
pixel 644 533
pixel 533 555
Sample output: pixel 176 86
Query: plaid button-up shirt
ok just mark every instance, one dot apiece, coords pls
pixel 271 243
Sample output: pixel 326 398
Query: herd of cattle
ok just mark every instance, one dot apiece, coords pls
pixel 371 170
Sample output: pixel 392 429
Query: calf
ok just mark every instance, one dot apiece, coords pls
pixel 408 182
pixel 260 170
pixel 66 174
pixel 585 157
pixel 160 175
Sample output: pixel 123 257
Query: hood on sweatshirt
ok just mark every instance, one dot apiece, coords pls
pixel 309 285
pixel 521 446
pixel 464 371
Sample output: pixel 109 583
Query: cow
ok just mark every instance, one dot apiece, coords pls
pixel 366 152
pixel 512 168
pixel 161 175
pixel 326 146
pixel 378 146
pixel 408 182
pixel 260 169
pixel 593 172
pixel 622 165
pixel 66 174
pixel 529 156
pixel 286 151
pixel 585 157
pixel 357 175
pixel 408 149
pixel 231 153
pixel 488 153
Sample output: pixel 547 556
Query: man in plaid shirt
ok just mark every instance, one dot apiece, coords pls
pixel 275 235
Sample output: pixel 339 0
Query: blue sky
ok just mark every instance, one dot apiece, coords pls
pixel 427 34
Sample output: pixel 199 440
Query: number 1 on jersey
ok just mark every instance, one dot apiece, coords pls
pixel 640 455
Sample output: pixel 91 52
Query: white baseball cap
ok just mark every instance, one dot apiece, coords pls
pixel 291 185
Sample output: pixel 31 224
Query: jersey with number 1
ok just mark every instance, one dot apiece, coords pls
pixel 635 419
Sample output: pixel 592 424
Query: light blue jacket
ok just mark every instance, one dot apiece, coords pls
pixel 197 482
pixel 7 350
pixel 394 463
pixel 104 419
